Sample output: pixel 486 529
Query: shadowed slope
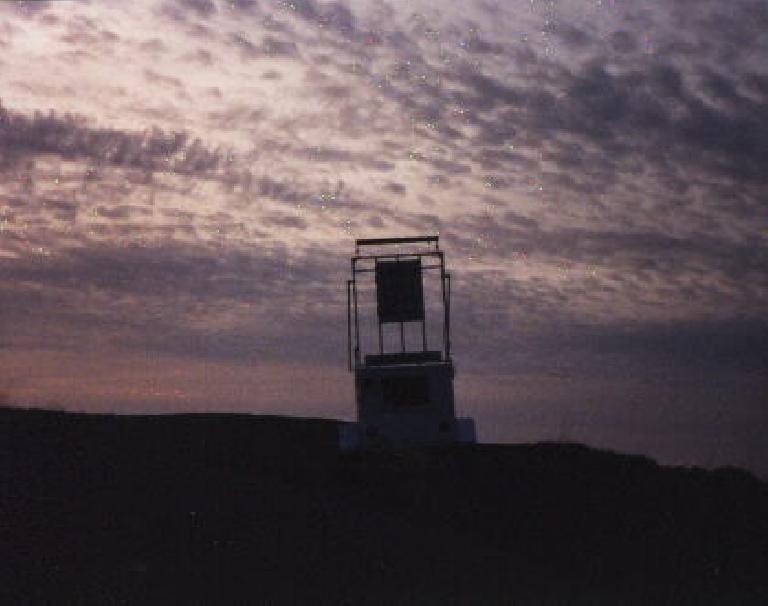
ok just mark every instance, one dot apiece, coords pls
pixel 220 509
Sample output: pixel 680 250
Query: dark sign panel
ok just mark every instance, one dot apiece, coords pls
pixel 398 291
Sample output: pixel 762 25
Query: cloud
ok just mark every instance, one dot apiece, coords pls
pixel 204 8
pixel 182 298
pixel 71 136
pixel 123 211
pixel 628 115
pixel 283 220
pixel 333 15
pixel 244 5
pixel 597 177
pixel 574 37
pixel 395 188
pixel 623 42
pixel 201 56
pixel 179 9
pixel 153 46
pixel 155 78
pixel 30 8
pixel 696 346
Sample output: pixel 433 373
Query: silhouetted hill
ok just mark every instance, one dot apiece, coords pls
pixel 238 509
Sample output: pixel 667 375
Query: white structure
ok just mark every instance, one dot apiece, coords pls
pixel 406 396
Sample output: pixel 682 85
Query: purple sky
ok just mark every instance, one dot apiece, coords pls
pixel 181 183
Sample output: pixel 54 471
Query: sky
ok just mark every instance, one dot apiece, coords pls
pixel 182 181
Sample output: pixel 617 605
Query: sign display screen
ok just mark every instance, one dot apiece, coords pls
pixel 399 293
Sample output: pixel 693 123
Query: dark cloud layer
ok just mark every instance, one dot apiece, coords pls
pixel 72 137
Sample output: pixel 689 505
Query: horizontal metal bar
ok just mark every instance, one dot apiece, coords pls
pixel 378 241
pixel 370 270
pixel 373 270
pixel 429 253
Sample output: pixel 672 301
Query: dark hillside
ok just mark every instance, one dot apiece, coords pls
pixel 238 509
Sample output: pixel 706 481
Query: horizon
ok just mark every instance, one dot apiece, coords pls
pixel 425 447
pixel 182 181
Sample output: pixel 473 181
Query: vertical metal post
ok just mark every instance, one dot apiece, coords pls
pixel 357 317
pixel 445 306
pixel 448 319
pixel 349 324
pixel 378 317
pixel 424 310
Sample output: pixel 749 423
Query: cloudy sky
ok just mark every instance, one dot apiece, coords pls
pixel 181 182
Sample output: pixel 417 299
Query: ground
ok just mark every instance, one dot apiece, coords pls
pixel 238 509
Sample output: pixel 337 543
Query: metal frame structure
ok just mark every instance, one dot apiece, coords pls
pixel 358 263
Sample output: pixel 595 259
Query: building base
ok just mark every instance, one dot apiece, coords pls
pixel 356 436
